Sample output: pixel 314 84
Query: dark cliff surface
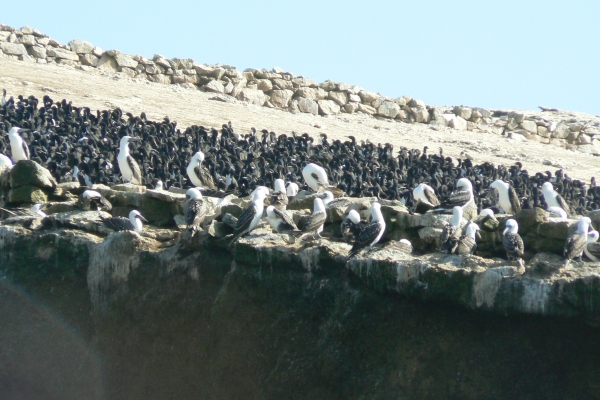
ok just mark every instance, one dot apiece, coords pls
pixel 125 319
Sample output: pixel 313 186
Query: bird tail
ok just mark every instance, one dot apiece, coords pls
pixel 566 263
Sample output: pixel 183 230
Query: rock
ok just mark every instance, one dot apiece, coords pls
pixel 27 172
pixel 458 122
pixel 303 82
pixel 16 49
pixel 214 86
pixel 63 54
pixel 543 132
pixel 128 187
pixel 463 112
pixel 89 59
pixel 125 61
pixel 28 40
pixel 562 131
pixel 584 139
pixel 282 84
pixel 98 52
pixel 81 46
pixel 388 109
pixel 281 98
pixel 340 98
pixel 311 93
pixel 354 98
pixel 588 149
pixel 27 194
pixel 421 114
pixel 219 229
pixel 106 62
pixel 351 108
pixel 328 107
pixel 252 96
pixel 37 51
pixel 529 126
pixel 264 84
pixel 366 109
pixel 308 106
pixel 368 97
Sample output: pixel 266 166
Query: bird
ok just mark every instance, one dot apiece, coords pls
pixel 18 147
pixel 371 234
pixel 195 208
pixel 330 201
pixel 487 220
pixel 93 200
pixel 513 243
pixel 592 248
pixel 159 185
pixel 130 170
pixel 279 197
pixel 250 217
pixel 351 226
pixel 508 200
pixel 315 177
pixel 466 155
pixel 34 211
pixel 553 199
pixel 425 197
pixel 5 161
pixel 133 223
pixel 468 242
pixel 281 222
pixel 291 190
pixel 557 212
pixel 198 175
pixel 576 242
pixel 314 223
pixel 451 232
pixel 462 197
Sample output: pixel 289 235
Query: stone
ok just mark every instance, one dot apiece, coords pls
pixel 219 229
pixel 562 131
pixel 351 108
pixel 228 88
pixel 388 109
pixel 264 84
pixel 354 98
pixel 463 112
pixel 588 149
pixel 89 59
pixel 458 122
pixel 214 86
pixel 27 58
pixel 62 53
pixel 529 126
pixel 252 96
pixel 281 98
pixel 543 132
pixel 125 60
pixel 368 97
pixel 98 52
pixel 16 49
pixel 28 40
pixel 366 109
pixel 341 98
pixel 160 78
pixel 26 30
pixel 328 85
pixel 282 84
pixel 584 139
pixel 27 194
pixel 421 114
pixel 81 46
pixel 518 117
pixel 308 106
pixel 27 172
pixel 303 82
pixel 328 107
pixel 311 93
pixel 37 51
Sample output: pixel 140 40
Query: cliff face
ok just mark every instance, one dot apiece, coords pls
pixel 124 318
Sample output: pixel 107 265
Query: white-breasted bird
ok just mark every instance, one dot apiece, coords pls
pixel 279 197
pixel 250 217
pixel 351 226
pixel 577 241
pixel 18 147
pixel 314 223
pixel 425 198
pixel 508 200
pixel 371 234
pixel 315 177
pixel 133 223
pixel 291 189
pixel 468 242
pixel 93 200
pixel 195 208
pixel 200 176
pixel 462 197
pixel 34 211
pixel 130 170
pixel 5 161
pixel 281 222
pixel 592 248
pixel 553 199
pixel 329 200
pixel 513 243
pixel 557 212
pixel 452 232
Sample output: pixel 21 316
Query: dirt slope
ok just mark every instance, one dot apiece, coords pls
pixel 100 90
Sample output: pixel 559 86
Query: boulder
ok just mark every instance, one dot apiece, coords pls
pixel 421 114
pixel 89 59
pixel 311 93
pixel 64 54
pixel 214 86
pixel 264 84
pixel 351 108
pixel 281 98
pixel 366 109
pixel 368 97
pixel 562 131
pixel 27 172
pixel 388 109
pixel 125 61
pixel 458 123
pixel 252 96
pixel 328 107
pixel 308 106
pixel 463 112
pixel 282 84
pixel 303 82
pixel 529 126
pixel 28 40
pixel 81 46
pixel 27 194
pixel 37 51
pixel 354 98
pixel 15 49
pixel 340 98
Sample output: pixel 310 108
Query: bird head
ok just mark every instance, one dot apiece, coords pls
pixel 134 214
pixel 511 227
pixel 193 194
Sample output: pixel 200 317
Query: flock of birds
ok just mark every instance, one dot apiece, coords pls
pixel 109 147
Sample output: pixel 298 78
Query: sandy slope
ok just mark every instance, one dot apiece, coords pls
pixel 100 90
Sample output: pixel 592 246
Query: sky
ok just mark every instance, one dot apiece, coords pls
pixel 509 54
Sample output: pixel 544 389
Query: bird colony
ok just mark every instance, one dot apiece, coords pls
pixel 56 158
pixel 279 89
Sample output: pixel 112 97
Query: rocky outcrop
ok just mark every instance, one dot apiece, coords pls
pixel 280 89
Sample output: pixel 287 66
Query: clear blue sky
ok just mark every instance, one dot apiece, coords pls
pixel 509 54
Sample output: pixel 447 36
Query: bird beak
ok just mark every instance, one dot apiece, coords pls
pixel 142 218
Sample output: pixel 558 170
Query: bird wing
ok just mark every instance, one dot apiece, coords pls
pixel 243 223
pixel 25 148
pixel 195 212
pixel 279 198
pixel 205 177
pixel 365 238
pixel 431 197
pixel 513 244
pixel 135 169
pixel 314 221
pixel 285 218
pixel 458 198
pixel 515 203
pixel 118 223
pixel 574 245
pixel 563 204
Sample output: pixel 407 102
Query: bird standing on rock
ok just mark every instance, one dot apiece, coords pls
pixel 314 223
pixel 18 147
pixel 371 234
pixel 130 170
pixel 281 222
pixel 351 226
pixel 513 244
pixel 199 176
pixel 451 232
pixel 553 199
pixel 250 217
pixel 508 200
pixel 577 241
pixel 425 197
pixel 93 200
pixel 195 208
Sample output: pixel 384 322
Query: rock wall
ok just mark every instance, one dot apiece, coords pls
pixel 279 89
